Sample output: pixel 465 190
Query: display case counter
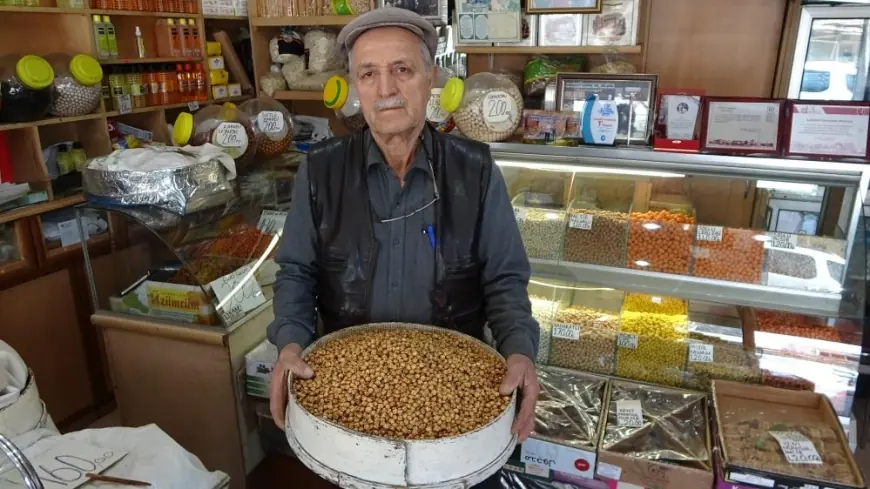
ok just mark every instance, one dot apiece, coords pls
pixel 675 269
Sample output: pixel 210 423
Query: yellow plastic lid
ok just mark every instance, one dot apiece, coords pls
pixel 451 95
pixel 96 18
pixel 335 92
pixel 183 129
pixel 85 69
pixel 106 18
pixel 34 72
pixel 182 22
pixel 228 111
pixel 170 21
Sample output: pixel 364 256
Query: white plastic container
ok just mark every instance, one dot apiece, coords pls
pixel 354 460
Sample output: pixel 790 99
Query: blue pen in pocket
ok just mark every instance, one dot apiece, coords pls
pixel 429 231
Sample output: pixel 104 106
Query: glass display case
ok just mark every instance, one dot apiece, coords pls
pixel 13 247
pixel 675 269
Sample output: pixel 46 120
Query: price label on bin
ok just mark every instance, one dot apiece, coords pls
pixel 626 340
pixel 783 241
pixel 629 413
pixel 709 233
pixel 581 221
pixel 520 214
pixel 270 121
pixel 797 448
pixel 566 331
pixel 701 353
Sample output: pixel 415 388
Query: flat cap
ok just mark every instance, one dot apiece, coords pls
pixel 389 17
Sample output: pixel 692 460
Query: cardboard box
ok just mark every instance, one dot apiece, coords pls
pixel 235 89
pixel 216 63
pixel 622 471
pixel 219 91
pixel 787 409
pixel 259 363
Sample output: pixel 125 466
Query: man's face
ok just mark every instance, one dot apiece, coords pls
pixel 391 79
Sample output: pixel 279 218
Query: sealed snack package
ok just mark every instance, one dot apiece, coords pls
pixel 286 46
pixel 323 53
pixel 273 81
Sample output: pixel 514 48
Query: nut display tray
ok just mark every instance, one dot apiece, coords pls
pixel 569 407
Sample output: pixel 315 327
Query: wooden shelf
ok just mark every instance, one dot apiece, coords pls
pixel 298 95
pixel 133 61
pixel 41 208
pixel 136 13
pixel 548 49
pixel 44 10
pixel 300 20
pixel 51 121
pixel 226 17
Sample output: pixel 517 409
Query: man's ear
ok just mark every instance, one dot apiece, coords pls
pixel 433 76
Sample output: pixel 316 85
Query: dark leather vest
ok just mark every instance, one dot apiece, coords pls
pixel 347 249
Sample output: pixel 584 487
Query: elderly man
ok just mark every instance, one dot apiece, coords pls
pixel 401 223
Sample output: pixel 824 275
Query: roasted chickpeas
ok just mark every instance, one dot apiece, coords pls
pixel 404 384
pixel 660 241
pixel 594 349
pixel 728 254
pixel 598 239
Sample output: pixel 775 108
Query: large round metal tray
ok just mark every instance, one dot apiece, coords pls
pixel 354 460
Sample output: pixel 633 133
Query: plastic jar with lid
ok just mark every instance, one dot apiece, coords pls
pixel 224 126
pixel 341 97
pixel 76 84
pixel 438 117
pixel 26 88
pixel 272 125
pixel 485 107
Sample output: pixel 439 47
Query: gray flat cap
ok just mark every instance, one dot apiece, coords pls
pixel 389 17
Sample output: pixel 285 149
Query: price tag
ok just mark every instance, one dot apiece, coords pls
pixel 566 332
pixel 434 112
pixel 709 233
pixel 520 214
pixel 656 299
pixel 238 289
pixel 609 471
pixel 629 414
pixel 67 464
pixel 580 221
pixel 230 135
pixel 626 340
pixel 797 448
pixel 69 233
pixel 551 456
pixel 272 222
pixel 270 121
pixel 193 106
pixel 124 104
pixel 700 352
pixel 537 470
pixel 232 314
pixel 783 241
pixel 499 110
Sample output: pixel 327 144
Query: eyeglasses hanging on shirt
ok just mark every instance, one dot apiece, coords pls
pixel 435 192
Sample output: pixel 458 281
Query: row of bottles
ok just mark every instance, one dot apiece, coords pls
pixel 175 38
pixel 153 86
pixel 35 3
pixel 179 6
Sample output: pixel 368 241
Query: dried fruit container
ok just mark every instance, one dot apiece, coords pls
pixel 569 407
pixel 224 126
pixel 76 83
pixel 355 460
pixel 341 97
pixel 485 107
pixel 26 88
pixel 272 125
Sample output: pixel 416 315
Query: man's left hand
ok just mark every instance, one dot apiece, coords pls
pixel 521 374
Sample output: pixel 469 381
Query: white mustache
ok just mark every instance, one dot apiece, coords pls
pixel 389 103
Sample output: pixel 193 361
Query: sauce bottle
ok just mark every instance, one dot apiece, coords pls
pixel 175 38
pixel 199 79
pixel 100 40
pixel 195 39
pixel 110 35
pixel 186 40
pixel 183 87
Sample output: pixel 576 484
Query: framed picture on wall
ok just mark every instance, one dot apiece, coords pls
pixel 742 126
pixel 434 11
pixel 634 95
pixel 563 6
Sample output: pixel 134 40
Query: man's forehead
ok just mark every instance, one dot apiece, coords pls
pixel 374 39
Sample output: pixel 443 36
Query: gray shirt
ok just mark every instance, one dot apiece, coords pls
pixel 404 271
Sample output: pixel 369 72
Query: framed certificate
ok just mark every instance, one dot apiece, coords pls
pixel 742 125
pixel 676 125
pixel 563 6
pixel 827 129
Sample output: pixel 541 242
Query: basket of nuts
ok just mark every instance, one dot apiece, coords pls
pixel 401 405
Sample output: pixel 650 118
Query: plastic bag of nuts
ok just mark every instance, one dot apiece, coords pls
pixel 660 241
pixel 584 339
pixel 652 347
pixel 485 107
pixel 728 254
pixel 272 125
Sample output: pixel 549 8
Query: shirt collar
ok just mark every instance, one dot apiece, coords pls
pixel 375 157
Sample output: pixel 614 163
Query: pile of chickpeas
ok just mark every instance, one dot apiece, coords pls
pixel 739 257
pixel 730 362
pixel 595 350
pixel 404 383
pixel 660 241
pixel 603 244
pixel 542 231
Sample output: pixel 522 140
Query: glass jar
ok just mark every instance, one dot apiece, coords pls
pixel 485 107
pixel 440 119
pixel 76 84
pixel 26 88
pixel 224 126
pixel 341 97
pixel 272 125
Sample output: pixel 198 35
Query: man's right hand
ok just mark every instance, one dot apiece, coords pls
pixel 289 361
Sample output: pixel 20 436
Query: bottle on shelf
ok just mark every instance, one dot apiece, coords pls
pixel 140 43
pixel 118 85
pixel 71 4
pixel 110 35
pixel 134 82
pixel 199 79
pixel 101 41
pixel 107 91
pixel 192 7
pixel 184 36
pixel 176 35
pixel 183 87
pixel 164 88
pixel 196 41
pixel 149 87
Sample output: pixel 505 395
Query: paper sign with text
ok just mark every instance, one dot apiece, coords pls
pixel 629 413
pixel 797 448
pixel 67 464
pixel 247 296
pixel 566 331
pixel 561 458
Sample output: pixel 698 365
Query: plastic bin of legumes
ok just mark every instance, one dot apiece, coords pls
pixel 598 223
pixel 76 83
pixel 542 219
pixel 272 125
pixel 341 97
pixel 485 107
pixel 26 88
pixel 440 119
pixel 660 240
pixel 585 329
pixel 224 126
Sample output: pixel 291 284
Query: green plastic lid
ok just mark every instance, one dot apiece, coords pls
pixel 86 70
pixel 34 72
pixel 451 95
